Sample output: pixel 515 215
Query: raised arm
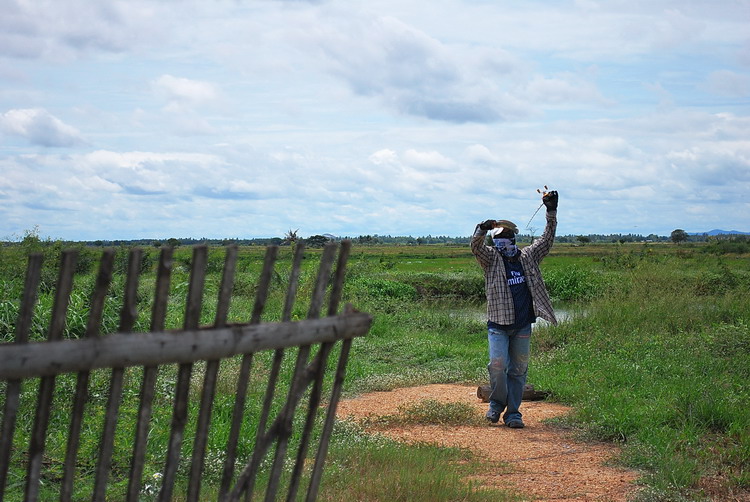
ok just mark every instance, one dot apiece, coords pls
pixel 543 244
pixel 480 250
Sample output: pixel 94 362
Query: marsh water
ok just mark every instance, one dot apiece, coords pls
pixel 563 312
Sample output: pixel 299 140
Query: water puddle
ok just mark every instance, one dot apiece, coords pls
pixel 563 312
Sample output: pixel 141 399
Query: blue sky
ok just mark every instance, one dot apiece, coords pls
pixel 157 119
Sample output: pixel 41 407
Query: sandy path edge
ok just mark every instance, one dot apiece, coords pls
pixel 546 462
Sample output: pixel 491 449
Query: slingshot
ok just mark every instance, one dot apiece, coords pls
pixel 545 192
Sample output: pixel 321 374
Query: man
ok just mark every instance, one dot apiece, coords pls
pixel 516 296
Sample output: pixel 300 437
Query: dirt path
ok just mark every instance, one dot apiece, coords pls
pixel 546 463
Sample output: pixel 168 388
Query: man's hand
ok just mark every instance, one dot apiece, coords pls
pixel 550 200
pixel 487 225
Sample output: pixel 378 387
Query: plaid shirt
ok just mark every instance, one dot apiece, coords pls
pixel 499 299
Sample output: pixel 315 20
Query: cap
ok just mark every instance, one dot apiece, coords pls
pixel 503 225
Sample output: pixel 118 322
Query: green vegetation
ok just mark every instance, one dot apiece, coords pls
pixel 373 468
pixel 655 355
pixel 429 412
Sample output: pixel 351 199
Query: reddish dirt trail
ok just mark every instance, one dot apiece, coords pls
pixel 545 463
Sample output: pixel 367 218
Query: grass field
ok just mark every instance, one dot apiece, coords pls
pixel 655 355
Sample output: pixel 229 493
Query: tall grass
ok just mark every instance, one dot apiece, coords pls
pixel 660 363
pixel 657 358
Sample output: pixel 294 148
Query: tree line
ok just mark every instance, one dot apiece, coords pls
pixel 677 236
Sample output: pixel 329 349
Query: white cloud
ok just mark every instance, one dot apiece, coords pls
pixel 353 118
pixel 152 173
pixel 563 89
pixel 187 101
pixel 40 128
pixel 480 154
pixel 428 161
pixel 58 31
pixel 414 73
pixel 729 83
pixel 384 157
pixel 179 89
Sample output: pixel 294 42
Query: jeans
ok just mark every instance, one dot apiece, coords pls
pixel 509 362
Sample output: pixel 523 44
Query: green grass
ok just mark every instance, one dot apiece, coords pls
pixel 656 358
pixel 373 468
pixel 429 412
pixel 660 363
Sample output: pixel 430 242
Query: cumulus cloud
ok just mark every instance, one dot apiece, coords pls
pixel 382 157
pixel 63 30
pixel 414 73
pixel 405 122
pixel 151 173
pixel 39 127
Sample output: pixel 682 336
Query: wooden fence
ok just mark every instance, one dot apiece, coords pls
pixel 37 364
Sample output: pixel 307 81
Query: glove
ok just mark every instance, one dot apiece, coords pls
pixel 487 225
pixel 550 200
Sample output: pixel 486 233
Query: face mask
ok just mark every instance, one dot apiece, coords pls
pixel 507 247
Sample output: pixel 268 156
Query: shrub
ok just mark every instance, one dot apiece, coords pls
pixel 572 283
pixel 122 258
pixel 86 259
pixel 467 287
pixel 383 288
pixel 735 245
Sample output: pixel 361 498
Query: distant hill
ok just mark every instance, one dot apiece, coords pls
pixel 717 231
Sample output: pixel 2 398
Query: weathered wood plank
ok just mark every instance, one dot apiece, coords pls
pixel 184 347
pixel 148 349
pixel 234 431
pixel 338 280
pixel 320 363
pixel 62 294
pixel 158 316
pixel 242 381
pixel 161 295
pixel 128 317
pixel 13 390
pixel 291 293
pixel 281 429
pixel 47 385
pixel 93 324
pixel 321 283
pixel 302 376
pixel 209 381
pixel 225 289
pixel 325 435
pixel 182 390
pixel 29 298
pixel 319 366
pixel 264 284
